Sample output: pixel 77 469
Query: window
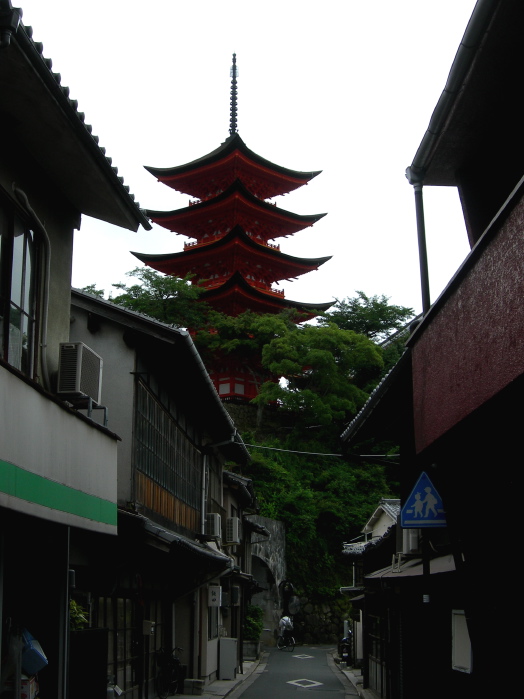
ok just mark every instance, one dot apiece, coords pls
pixel 461 650
pixel 163 452
pixel 18 251
pixel 118 615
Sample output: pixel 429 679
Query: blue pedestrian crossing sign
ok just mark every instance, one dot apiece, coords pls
pixel 424 506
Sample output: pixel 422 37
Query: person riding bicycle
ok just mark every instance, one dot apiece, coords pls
pixel 285 627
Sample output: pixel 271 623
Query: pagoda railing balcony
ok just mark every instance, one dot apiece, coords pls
pixel 214 284
pixel 217 236
pixel 206 241
pixel 266 288
pixel 260 241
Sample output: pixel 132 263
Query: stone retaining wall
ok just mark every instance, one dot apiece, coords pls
pixel 320 622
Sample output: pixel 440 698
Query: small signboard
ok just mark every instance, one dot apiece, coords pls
pixel 424 506
pixel 214 596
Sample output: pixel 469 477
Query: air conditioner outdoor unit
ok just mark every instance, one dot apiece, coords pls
pixel 213 525
pixel 79 372
pixel 233 530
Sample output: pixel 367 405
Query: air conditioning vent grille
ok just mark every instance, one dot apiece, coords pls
pixel 233 530
pixel 80 371
pixel 214 525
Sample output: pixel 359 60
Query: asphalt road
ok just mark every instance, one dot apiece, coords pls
pixel 284 674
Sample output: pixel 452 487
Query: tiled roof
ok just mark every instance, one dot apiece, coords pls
pixel 74 106
pixel 391 506
pixel 35 94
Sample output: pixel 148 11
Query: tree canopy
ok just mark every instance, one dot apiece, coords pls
pixel 168 299
pixel 326 371
pixel 372 316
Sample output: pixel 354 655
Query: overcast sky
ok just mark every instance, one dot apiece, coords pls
pixel 341 86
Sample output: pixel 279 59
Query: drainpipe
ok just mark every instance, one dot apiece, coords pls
pixel 203 501
pixel 415 179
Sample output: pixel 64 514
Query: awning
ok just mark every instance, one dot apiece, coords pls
pixel 249 525
pixel 414 567
pixel 181 544
pixel 243 488
pixel 182 564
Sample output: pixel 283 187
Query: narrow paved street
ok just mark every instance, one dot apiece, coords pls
pixel 282 674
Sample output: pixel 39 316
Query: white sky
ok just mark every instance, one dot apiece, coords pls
pixel 343 86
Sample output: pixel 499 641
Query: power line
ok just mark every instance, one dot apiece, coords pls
pixel 314 453
pixel 291 451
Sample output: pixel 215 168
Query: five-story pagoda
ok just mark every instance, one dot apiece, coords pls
pixel 231 225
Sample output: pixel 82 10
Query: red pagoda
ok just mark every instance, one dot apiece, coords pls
pixel 231 225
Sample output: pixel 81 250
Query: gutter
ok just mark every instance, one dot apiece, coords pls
pixel 477 27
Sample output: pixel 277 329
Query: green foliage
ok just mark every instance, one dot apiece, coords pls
pixel 326 372
pixel 242 336
pixel 323 500
pixel 253 623
pixel 91 289
pixel 372 316
pixel 77 616
pixel 166 298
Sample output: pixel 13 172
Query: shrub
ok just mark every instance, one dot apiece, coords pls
pixel 253 623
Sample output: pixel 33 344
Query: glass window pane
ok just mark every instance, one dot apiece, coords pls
pixel 27 342
pixel 3 238
pixel 14 351
pixel 17 264
pixel 29 275
pixel 17 292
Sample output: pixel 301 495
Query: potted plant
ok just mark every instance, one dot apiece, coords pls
pixel 253 626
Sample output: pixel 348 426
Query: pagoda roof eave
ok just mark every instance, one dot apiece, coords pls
pixel 168 219
pixel 232 143
pixel 237 284
pixel 235 236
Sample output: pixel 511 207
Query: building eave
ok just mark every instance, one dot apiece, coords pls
pixel 454 126
pixel 40 114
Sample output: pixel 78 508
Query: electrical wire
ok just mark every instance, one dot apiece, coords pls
pixel 314 453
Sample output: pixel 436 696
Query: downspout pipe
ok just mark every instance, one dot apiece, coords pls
pixel 416 181
pixel 203 499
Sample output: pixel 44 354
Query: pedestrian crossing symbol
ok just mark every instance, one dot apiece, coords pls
pixel 424 506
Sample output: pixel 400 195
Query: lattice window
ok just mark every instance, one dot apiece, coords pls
pixel 163 452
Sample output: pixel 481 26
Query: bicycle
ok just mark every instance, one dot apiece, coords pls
pixel 169 679
pixel 286 641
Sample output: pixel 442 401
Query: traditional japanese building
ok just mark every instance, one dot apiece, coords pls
pixel 230 224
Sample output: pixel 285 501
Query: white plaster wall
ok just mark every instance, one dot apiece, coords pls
pixel 117 388
pixel 40 437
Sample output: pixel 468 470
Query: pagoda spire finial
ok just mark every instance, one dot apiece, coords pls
pixel 233 110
